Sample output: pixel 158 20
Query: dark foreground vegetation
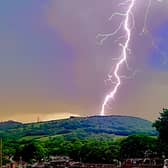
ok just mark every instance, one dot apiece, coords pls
pixel 89 150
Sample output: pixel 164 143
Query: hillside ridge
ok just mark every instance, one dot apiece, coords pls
pixel 80 127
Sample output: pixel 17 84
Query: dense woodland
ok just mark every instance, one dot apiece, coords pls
pixel 93 149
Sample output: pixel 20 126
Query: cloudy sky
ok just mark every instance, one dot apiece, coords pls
pixel 52 66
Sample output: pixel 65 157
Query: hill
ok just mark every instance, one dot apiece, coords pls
pixel 79 127
pixel 9 125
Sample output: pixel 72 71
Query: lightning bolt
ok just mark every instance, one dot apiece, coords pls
pixel 144 29
pixel 125 48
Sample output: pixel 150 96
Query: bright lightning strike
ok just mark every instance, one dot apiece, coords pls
pixel 127 24
pixel 125 48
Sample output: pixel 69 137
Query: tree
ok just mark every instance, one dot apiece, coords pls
pixel 138 146
pixel 30 151
pixel 95 151
pixel 161 125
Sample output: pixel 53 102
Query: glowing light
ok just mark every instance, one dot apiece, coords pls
pixel 125 48
pixel 128 24
pixel 144 29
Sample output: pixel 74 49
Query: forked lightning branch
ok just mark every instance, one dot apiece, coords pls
pixel 127 23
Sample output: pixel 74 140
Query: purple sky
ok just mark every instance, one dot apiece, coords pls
pixel 51 65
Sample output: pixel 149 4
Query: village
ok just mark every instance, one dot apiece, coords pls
pixel 66 162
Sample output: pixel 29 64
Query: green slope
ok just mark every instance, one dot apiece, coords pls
pixel 79 127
